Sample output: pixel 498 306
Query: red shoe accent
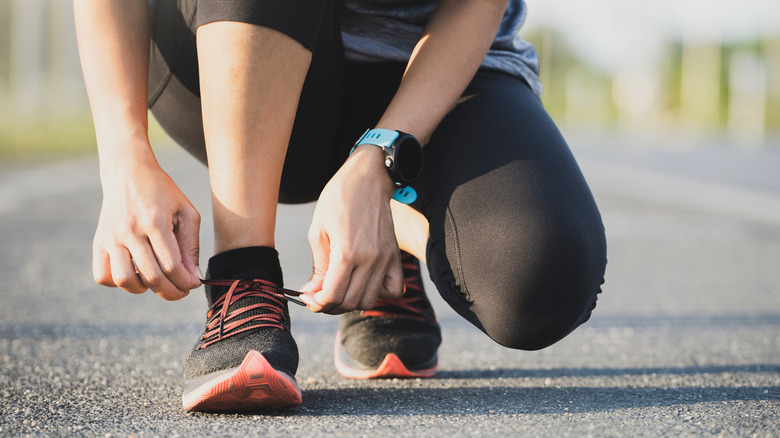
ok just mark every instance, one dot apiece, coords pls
pixel 254 386
pixel 391 367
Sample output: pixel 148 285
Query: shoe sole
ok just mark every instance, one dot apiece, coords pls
pixel 390 368
pixel 252 386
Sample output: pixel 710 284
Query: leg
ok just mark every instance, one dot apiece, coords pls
pixel 174 83
pixel 517 245
pixel 247 124
pixel 516 241
pixel 411 230
pixel 254 58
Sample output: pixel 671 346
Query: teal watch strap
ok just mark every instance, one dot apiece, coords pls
pixel 384 138
pixel 378 137
pixel 405 195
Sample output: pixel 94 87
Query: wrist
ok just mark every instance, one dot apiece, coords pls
pixel 368 162
pixel 402 158
pixel 125 159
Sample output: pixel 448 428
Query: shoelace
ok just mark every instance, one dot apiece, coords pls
pixel 222 324
pixel 408 305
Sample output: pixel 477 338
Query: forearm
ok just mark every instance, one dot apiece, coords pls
pixel 113 40
pixel 452 46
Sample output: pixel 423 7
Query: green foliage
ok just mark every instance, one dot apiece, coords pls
pixel 54 136
pixel 51 137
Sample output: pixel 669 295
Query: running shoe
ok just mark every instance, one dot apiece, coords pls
pixel 247 358
pixel 397 338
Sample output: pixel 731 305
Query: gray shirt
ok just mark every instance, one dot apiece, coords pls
pixel 387 30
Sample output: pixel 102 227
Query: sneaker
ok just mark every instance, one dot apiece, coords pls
pixel 397 338
pixel 247 358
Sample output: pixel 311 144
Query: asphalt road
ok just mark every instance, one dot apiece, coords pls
pixel 685 339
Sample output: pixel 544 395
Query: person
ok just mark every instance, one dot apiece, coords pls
pixel 332 100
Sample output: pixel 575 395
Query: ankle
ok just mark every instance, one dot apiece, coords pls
pixel 242 263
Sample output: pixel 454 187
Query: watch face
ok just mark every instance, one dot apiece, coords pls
pixel 408 158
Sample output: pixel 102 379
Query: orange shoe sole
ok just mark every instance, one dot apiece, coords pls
pixel 252 386
pixel 390 368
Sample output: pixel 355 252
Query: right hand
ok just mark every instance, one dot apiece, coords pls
pixel 147 234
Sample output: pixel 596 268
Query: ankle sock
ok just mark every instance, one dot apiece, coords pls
pixel 241 264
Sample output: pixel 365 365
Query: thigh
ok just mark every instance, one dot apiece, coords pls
pixel 174 87
pixel 517 244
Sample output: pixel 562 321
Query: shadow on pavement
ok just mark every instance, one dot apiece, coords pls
pixel 500 400
pixel 512 373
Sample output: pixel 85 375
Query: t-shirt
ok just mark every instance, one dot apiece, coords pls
pixel 388 30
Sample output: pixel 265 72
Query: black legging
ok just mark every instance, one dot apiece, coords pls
pixel 517 245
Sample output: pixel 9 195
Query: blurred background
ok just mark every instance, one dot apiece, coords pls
pixel 672 109
pixel 691 70
pixel 678 66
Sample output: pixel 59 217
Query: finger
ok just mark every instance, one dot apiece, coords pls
pixel 150 272
pixel 101 267
pixel 393 280
pixel 334 287
pixel 368 300
pixel 373 288
pixel 186 229
pixel 320 259
pixel 357 288
pixel 169 259
pixel 376 285
pixel 123 271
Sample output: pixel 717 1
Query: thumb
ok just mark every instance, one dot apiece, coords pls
pixel 187 232
pixel 320 258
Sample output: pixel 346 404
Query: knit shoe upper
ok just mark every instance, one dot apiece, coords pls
pixel 246 352
pixel 397 338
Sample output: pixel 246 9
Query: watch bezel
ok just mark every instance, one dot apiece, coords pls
pixel 407 150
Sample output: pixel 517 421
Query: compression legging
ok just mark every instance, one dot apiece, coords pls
pixel 517 245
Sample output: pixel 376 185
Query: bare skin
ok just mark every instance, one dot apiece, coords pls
pixel 148 224
pixel 247 124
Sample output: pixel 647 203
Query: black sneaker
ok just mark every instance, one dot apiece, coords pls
pixel 397 338
pixel 247 358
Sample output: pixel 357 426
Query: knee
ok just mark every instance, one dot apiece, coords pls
pixel 550 289
pixel 533 327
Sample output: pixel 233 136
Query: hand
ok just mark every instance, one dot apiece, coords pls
pixel 355 253
pixel 147 234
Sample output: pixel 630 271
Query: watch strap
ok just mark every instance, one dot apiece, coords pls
pixel 378 137
pixel 384 138
pixel 405 195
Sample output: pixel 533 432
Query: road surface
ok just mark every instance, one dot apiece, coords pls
pixel 685 339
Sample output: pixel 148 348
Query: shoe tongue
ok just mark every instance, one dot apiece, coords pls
pixel 213 293
pixel 250 263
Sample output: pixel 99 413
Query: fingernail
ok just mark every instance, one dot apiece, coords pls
pixel 305 287
pixel 200 273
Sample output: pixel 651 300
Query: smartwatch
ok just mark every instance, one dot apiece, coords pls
pixel 403 159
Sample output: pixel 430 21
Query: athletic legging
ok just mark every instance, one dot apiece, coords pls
pixel 517 245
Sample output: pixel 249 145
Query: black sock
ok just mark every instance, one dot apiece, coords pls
pixel 243 264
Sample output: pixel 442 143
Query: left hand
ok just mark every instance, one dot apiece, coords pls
pixel 354 250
